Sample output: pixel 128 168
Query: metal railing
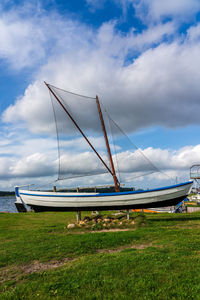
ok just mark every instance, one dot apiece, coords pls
pixel 195 172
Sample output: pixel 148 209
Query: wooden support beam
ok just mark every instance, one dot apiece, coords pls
pixel 78 216
pixel 127 214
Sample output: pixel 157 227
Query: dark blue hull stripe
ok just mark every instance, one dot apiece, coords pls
pixel 109 194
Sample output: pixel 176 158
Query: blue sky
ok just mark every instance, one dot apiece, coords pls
pixel 140 56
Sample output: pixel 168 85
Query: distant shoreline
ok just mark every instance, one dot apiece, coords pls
pixel 7 194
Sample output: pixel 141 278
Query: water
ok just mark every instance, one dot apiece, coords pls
pixel 7 204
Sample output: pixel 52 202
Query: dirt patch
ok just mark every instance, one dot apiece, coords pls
pixel 140 247
pixel 13 272
pixel 189 226
pixel 8 273
pixel 6 241
pixel 38 266
pixel 102 230
pixel 112 230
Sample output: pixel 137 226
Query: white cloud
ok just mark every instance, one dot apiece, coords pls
pixel 35 105
pixel 90 63
pixel 160 87
pixel 95 4
pixel 178 160
pixel 28 36
pixel 39 164
pixel 156 10
pixel 20 43
pixel 35 165
pixel 174 165
pixel 193 33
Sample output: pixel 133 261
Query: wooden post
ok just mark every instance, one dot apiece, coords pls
pixel 54 188
pixel 78 216
pixel 127 214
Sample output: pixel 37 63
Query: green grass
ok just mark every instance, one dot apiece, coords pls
pixel 158 259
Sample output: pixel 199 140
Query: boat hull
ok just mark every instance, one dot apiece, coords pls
pixel 56 201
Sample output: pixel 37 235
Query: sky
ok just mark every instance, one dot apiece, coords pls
pixel 141 57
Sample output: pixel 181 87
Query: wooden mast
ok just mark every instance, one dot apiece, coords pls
pixel 107 145
pixel 79 129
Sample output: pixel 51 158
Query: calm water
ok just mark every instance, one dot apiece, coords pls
pixel 7 204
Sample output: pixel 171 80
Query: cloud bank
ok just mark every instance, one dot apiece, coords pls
pixel 31 166
pixel 159 86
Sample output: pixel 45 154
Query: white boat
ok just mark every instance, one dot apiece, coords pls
pixel 84 201
pixel 61 201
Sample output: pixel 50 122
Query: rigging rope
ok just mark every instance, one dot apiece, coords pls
pixel 118 170
pixel 79 95
pixel 83 175
pixel 60 171
pixel 139 176
pixel 58 142
pixel 157 170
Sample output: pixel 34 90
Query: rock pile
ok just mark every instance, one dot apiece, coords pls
pixel 100 222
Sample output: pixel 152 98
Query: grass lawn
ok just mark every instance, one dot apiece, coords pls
pixel 41 259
